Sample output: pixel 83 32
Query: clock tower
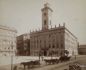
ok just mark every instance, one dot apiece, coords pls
pixel 46 16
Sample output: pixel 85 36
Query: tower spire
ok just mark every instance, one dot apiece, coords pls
pixel 45 1
pixel 46 15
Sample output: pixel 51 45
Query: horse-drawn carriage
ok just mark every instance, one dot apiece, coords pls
pixel 51 61
pixel 35 63
pixel 30 64
pixel 56 61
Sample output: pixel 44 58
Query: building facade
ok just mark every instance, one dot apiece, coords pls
pixel 23 45
pixel 7 41
pixel 52 41
pixel 82 49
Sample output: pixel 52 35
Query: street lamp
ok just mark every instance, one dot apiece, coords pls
pixel 74 55
pixel 11 62
pixel 40 54
pixel 11 56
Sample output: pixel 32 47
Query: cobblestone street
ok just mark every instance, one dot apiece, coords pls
pixel 43 66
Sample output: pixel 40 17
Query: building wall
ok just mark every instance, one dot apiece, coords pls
pixel 54 40
pixel 50 40
pixel 23 45
pixel 71 43
pixel 7 41
pixel 82 49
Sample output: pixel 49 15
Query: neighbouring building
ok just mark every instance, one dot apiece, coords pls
pixel 82 49
pixel 23 45
pixel 52 41
pixel 7 41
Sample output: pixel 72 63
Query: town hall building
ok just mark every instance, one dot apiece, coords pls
pixel 52 41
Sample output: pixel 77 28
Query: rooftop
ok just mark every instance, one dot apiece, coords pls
pixel 8 28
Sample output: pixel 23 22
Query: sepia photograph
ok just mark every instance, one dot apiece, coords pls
pixel 42 34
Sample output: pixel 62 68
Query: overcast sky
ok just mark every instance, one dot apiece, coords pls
pixel 25 15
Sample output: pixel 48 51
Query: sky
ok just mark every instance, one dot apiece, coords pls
pixel 25 15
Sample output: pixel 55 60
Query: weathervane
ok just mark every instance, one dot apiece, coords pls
pixel 45 1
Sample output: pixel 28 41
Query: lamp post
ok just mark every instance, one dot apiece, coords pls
pixel 40 54
pixel 74 55
pixel 11 62
pixel 12 56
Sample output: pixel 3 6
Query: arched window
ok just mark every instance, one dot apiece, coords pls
pixel 49 35
pixel 57 45
pixel 44 43
pixel 62 46
pixel 44 22
pixel 49 46
pixel 53 46
pixel 56 52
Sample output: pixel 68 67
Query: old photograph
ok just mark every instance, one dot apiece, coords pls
pixel 42 34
